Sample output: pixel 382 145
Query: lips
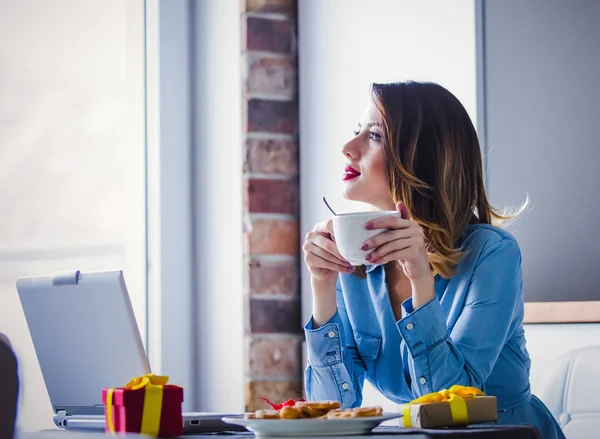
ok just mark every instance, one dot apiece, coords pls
pixel 350 173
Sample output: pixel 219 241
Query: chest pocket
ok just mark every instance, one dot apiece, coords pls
pixel 368 344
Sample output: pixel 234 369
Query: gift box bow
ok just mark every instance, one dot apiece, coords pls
pixel 455 396
pixel 153 395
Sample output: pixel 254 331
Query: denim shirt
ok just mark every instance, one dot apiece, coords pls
pixel 471 333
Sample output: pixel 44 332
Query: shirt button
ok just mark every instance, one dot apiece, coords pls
pixel 422 380
pixel 345 386
pixel 331 334
pixel 410 326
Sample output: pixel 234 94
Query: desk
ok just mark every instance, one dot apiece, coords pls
pixel 483 432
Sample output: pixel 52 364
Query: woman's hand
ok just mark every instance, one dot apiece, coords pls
pixel 404 242
pixel 322 256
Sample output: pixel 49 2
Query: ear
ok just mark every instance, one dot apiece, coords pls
pixel 401 207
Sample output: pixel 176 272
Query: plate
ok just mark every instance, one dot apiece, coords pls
pixel 311 427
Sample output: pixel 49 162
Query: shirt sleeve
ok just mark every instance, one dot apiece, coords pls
pixel 467 354
pixel 334 370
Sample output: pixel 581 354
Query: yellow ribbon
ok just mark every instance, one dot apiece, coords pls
pixel 109 415
pixel 153 385
pixel 455 396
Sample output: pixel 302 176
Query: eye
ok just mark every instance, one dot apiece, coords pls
pixel 375 136
pixel 356 132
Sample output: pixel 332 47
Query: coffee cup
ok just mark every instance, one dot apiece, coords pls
pixel 350 234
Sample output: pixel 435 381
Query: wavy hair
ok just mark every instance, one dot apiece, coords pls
pixel 434 166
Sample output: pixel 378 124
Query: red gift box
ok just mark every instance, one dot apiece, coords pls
pixel 146 405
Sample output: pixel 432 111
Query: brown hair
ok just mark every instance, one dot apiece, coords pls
pixel 434 165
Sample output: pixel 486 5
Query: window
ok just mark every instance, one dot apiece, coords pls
pixel 72 157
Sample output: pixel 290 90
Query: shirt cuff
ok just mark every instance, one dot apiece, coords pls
pixel 424 327
pixel 324 345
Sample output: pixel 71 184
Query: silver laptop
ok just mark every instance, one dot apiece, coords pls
pixel 86 338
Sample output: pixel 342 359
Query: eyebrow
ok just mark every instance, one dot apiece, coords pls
pixel 371 124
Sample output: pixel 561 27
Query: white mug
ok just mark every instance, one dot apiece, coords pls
pixel 350 234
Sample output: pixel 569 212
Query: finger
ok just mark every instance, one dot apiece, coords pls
pixel 382 238
pixel 412 251
pixel 390 247
pixel 401 207
pixel 329 246
pixel 388 222
pixel 312 247
pixel 325 227
pixel 393 256
pixel 315 261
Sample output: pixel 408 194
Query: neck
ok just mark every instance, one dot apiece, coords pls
pixel 386 205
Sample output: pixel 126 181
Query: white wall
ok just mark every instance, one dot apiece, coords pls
pixel 344 46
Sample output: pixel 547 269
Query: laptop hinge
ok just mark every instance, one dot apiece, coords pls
pixel 71 278
pixel 60 419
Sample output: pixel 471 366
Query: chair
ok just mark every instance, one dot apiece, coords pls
pixel 572 392
pixel 9 388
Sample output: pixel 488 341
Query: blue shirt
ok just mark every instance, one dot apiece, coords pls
pixel 471 334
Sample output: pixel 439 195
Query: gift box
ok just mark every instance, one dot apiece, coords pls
pixel 455 406
pixel 146 405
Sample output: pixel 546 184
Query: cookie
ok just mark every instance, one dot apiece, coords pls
pixel 290 413
pixel 310 412
pixel 266 414
pixel 319 405
pixel 359 412
pixel 338 414
pixel 367 412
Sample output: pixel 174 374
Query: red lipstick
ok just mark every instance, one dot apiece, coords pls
pixel 350 173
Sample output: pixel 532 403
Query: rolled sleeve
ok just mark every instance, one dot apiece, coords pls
pixel 422 328
pixel 327 375
pixel 325 344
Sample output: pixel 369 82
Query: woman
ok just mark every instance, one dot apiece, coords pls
pixel 441 302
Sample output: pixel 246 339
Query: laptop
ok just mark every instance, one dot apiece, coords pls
pixel 86 338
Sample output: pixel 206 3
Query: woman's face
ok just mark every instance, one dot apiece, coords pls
pixel 365 177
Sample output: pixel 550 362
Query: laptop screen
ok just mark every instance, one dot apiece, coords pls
pixel 85 336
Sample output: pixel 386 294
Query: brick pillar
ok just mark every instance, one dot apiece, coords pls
pixel 271 201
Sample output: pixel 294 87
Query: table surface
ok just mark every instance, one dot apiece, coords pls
pixel 472 432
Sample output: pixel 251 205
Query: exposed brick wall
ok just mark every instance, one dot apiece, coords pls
pixel 271 202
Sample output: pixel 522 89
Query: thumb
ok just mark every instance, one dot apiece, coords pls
pixel 401 207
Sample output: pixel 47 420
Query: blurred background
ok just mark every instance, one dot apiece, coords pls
pixel 189 143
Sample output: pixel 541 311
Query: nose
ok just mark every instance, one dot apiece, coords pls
pixel 351 149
